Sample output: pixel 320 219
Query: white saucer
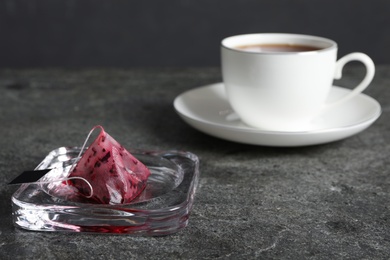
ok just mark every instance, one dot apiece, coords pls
pixel 207 109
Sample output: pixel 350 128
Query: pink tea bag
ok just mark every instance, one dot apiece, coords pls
pixel 115 175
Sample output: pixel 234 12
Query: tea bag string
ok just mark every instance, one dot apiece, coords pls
pixel 71 178
pixel 82 148
pixel 86 181
pixel 78 158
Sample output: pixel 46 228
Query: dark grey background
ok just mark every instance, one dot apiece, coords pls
pixel 150 33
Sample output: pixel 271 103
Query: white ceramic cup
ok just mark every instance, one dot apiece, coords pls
pixel 284 91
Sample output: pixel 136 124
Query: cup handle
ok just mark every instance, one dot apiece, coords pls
pixel 370 71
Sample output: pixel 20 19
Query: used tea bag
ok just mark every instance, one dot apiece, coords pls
pixel 115 175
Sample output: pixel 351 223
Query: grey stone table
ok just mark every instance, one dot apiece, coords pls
pixel 327 201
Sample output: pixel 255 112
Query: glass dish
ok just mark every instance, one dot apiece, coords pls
pixel 162 208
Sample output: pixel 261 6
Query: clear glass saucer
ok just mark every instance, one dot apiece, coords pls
pixel 162 208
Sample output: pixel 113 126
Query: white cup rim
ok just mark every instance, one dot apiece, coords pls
pixel 324 44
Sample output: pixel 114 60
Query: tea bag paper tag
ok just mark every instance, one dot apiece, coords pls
pixel 29 176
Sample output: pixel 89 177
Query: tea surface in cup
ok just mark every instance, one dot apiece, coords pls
pixel 277 47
